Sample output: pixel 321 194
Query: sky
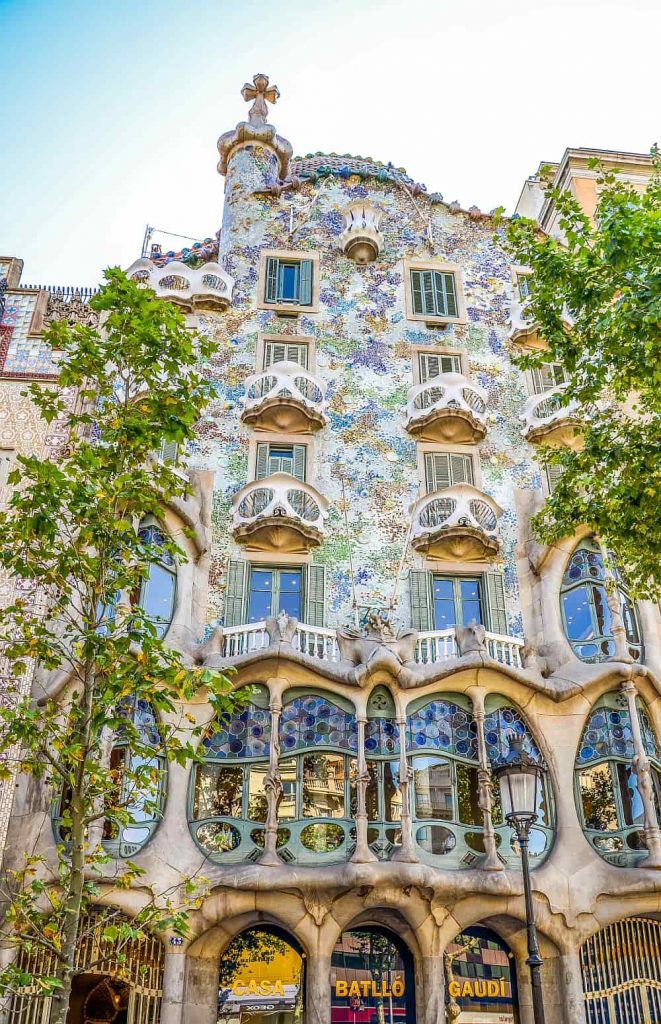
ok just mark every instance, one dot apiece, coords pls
pixel 110 110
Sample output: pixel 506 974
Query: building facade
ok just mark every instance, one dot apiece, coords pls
pixel 363 483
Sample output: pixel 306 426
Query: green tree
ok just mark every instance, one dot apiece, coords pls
pixel 70 539
pixel 596 299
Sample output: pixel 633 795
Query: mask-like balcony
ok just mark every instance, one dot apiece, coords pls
pixel 278 514
pixel 546 421
pixel 457 523
pixel 207 287
pixel 524 332
pixel 447 408
pixel 284 398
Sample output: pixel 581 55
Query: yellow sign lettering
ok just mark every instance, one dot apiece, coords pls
pixel 341 988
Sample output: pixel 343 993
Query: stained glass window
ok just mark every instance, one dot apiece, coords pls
pixel 502 725
pixel 314 721
pixel 247 734
pixel 442 725
pixel 381 737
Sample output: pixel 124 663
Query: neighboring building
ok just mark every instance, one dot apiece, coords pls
pixel 372 444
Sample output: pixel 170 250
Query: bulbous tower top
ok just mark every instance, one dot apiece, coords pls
pixel 256 130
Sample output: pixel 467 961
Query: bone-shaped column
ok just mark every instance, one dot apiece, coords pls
pixel 362 854
pixel 491 860
pixel 273 787
pixel 643 772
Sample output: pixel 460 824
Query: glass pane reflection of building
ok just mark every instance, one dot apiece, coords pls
pixel 261 979
pixel 371 979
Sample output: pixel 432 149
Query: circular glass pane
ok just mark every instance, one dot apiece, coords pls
pixel 322 837
pixel 608 844
pixel 218 837
pixel 436 839
pixel 257 836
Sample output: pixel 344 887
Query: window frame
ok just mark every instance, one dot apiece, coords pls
pixel 264 340
pixel 442 267
pixel 295 256
pixel 457 580
pixel 420 351
pixel 276 569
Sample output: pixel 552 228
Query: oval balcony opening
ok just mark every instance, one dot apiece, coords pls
pixel 547 420
pixel 447 408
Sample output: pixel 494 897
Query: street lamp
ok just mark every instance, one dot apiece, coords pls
pixel 520 781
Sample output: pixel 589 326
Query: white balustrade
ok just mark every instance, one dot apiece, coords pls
pixel 284 397
pixel 458 521
pixel 547 419
pixel 320 642
pixel 207 286
pixel 447 408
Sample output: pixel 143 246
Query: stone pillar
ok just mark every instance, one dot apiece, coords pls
pixel 433 985
pixel 273 787
pixel 572 987
pixel 491 860
pixel 642 769
pixel 524 988
pixel 201 990
pixel 318 993
pixel 406 851
pixel 362 854
pixel 174 974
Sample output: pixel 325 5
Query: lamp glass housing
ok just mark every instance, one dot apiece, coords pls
pixel 519 790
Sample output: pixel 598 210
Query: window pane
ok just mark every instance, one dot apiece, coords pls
pixel 578 618
pixel 261 595
pixel 288 282
pixel 632 803
pixel 290 593
pixel 257 792
pixel 140 797
pixel 432 781
pixel 372 793
pixel 287 808
pixel 603 612
pixel 471 601
pixel 218 791
pixel 392 794
pixel 281 460
pixel 157 597
pixel 598 799
pixel 468 793
pixel 444 610
pixel 629 618
pixel 323 786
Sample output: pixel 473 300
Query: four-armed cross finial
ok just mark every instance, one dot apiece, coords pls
pixel 259 91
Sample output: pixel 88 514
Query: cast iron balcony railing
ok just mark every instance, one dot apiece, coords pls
pixel 278 513
pixel 207 287
pixel 284 398
pixel 547 420
pixel 447 408
pixel 458 522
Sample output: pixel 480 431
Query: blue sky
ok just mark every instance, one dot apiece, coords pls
pixel 110 110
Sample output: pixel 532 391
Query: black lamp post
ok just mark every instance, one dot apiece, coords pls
pixel 520 780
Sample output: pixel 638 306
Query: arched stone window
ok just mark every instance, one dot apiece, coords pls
pixel 139 773
pixel 157 593
pixel 227 802
pixel 383 796
pixel 610 804
pixel 481 976
pixel 586 617
pixel 318 746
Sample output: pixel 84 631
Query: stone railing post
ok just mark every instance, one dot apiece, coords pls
pixel 273 787
pixel 491 860
pixel 362 854
pixel 643 772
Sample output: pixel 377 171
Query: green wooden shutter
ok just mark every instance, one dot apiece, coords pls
pixel 416 292
pixel 553 474
pixel 428 293
pixel 168 452
pixel 433 365
pixel 461 469
pixel 300 451
pixel 315 594
pixel 437 471
pixel 235 592
pixel 305 283
pixel 271 286
pixel 445 299
pixel 421 610
pixel 274 353
pixel 262 462
pixel 495 600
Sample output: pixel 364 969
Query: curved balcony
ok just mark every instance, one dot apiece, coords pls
pixel 278 514
pixel 284 398
pixel 524 332
pixel 207 287
pixel 458 523
pixel 546 421
pixel 447 408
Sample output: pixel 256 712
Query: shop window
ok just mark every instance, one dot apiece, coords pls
pixel 261 978
pixel 609 800
pixel 372 978
pixel 621 970
pixel 481 981
pixel 585 612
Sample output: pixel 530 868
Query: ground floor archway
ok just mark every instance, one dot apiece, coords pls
pixel 372 979
pixel 108 994
pixel 621 970
pixel 262 978
pixel 480 978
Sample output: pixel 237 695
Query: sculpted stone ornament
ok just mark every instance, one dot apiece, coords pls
pixel 70 308
pixel 471 639
pixel 281 630
pixel 378 649
pixel 255 129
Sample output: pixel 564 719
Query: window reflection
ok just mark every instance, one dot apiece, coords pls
pixel 468 795
pixel 218 791
pixel 432 782
pixel 598 800
pixel 323 785
pixel 287 809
